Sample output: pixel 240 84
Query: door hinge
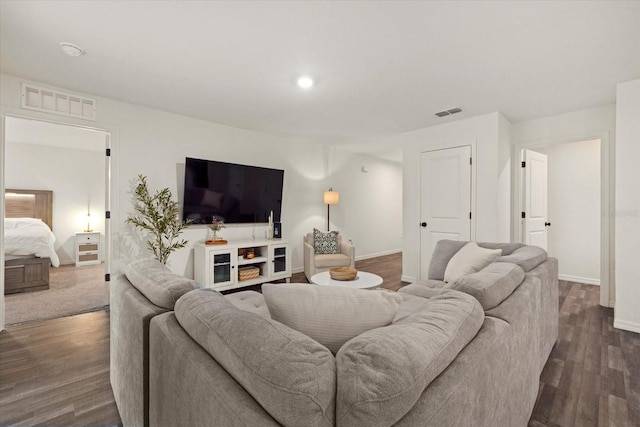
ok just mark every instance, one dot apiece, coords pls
pixel 469 215
pixel 523 164
pixel 108 152
pixel 470 160
pixel 107 277
pixel 522 215
pixel 107 214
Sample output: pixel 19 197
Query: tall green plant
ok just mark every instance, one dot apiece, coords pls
pixel 158 215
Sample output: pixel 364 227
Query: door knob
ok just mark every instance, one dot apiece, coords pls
pixel 423 224
pixel 547 224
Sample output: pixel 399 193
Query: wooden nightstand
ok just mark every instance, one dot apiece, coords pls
pixel 87 248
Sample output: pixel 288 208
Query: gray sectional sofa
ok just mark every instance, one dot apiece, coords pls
pixel 464 353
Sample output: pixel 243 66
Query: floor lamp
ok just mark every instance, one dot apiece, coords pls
pixel 330 198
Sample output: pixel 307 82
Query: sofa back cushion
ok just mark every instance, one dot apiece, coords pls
pixel 383 372
pixel 471 258
pixel 157 283
pixel 330 315
pixel 290 375
pixel 527 257
pixel 445 249
pixel 491 285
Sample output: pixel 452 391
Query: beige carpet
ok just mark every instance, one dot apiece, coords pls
pixel 72 290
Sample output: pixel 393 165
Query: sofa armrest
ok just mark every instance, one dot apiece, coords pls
pixel 350 251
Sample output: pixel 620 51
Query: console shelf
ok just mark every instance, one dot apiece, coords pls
pixel 217 266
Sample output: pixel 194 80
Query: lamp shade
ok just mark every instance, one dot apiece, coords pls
pixel 331 197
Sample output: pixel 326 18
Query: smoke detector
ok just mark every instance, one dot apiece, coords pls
pixel 71 49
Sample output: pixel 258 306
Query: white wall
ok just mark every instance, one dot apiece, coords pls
pixel 155 143
pixel 76 178
pixel 486 134
pixel 574 209
pixel 627 213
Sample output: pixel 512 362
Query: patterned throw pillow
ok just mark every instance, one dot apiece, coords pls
pixel 325 243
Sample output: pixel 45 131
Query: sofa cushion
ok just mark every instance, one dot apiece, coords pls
pixel 325 243
pixel 527 257
pixel 383 372
pixel 331 315
pixel 469 259
pixel 491 285
pixel 292 376
pixel 250 301
pixel 422 289
pixel 332 260
pixel 157 283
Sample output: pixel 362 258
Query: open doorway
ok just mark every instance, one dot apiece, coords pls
pixel 578 231
pixel 573 209
pixel 68 162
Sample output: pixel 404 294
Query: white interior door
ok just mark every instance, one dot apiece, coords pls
pixel 445 199
pixel 534 214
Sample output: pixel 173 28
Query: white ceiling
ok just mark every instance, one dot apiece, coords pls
pixel 381 68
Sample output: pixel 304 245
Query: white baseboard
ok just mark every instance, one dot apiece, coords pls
pixel 627 326
pixel 409 279
pixel 578 279
pixel 297 270
pixel 389 252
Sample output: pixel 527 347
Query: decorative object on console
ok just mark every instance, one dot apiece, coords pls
pixel 216 225
pixel 277 230
pixel 330 198
pixel 270 228
pixel 343 273
pixel 158 215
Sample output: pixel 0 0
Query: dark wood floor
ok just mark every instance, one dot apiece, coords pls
pixel 592 377
pixel 56 372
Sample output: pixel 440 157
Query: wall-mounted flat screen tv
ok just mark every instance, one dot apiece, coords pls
pixel 230 192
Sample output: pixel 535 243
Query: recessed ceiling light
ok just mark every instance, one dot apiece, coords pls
pixel 71 49
pixel 305 82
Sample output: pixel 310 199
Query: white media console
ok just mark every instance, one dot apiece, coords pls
pixel 230 266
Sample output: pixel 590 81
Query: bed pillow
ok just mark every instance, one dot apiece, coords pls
pixel 331 315
pixel 470 259
pixel 325 243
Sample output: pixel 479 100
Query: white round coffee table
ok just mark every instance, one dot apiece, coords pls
pixel 363 280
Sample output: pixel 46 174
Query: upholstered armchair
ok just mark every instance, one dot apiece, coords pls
pixel 317 263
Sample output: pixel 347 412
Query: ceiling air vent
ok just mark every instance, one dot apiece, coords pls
pixel 448 112
pixel 56 102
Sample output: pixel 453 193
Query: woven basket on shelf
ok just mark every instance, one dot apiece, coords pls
pixel 248 273
pixel 343 273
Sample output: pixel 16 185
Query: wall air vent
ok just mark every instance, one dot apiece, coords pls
pixel 449 112
pixel 55 102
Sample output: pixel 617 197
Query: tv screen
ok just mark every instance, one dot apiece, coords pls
pixel 230 192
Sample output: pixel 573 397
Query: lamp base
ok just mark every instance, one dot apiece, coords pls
pixel 87 231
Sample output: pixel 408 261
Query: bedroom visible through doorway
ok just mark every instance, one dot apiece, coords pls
pixel 69 163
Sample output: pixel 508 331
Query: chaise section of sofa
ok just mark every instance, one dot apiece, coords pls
pixel 519 293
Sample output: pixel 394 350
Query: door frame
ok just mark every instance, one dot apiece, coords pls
pixel 607 201
pixel 111 133
pixel 472 233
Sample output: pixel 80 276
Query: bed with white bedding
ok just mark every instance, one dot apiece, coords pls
pixel 29 236
pixel 28 240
